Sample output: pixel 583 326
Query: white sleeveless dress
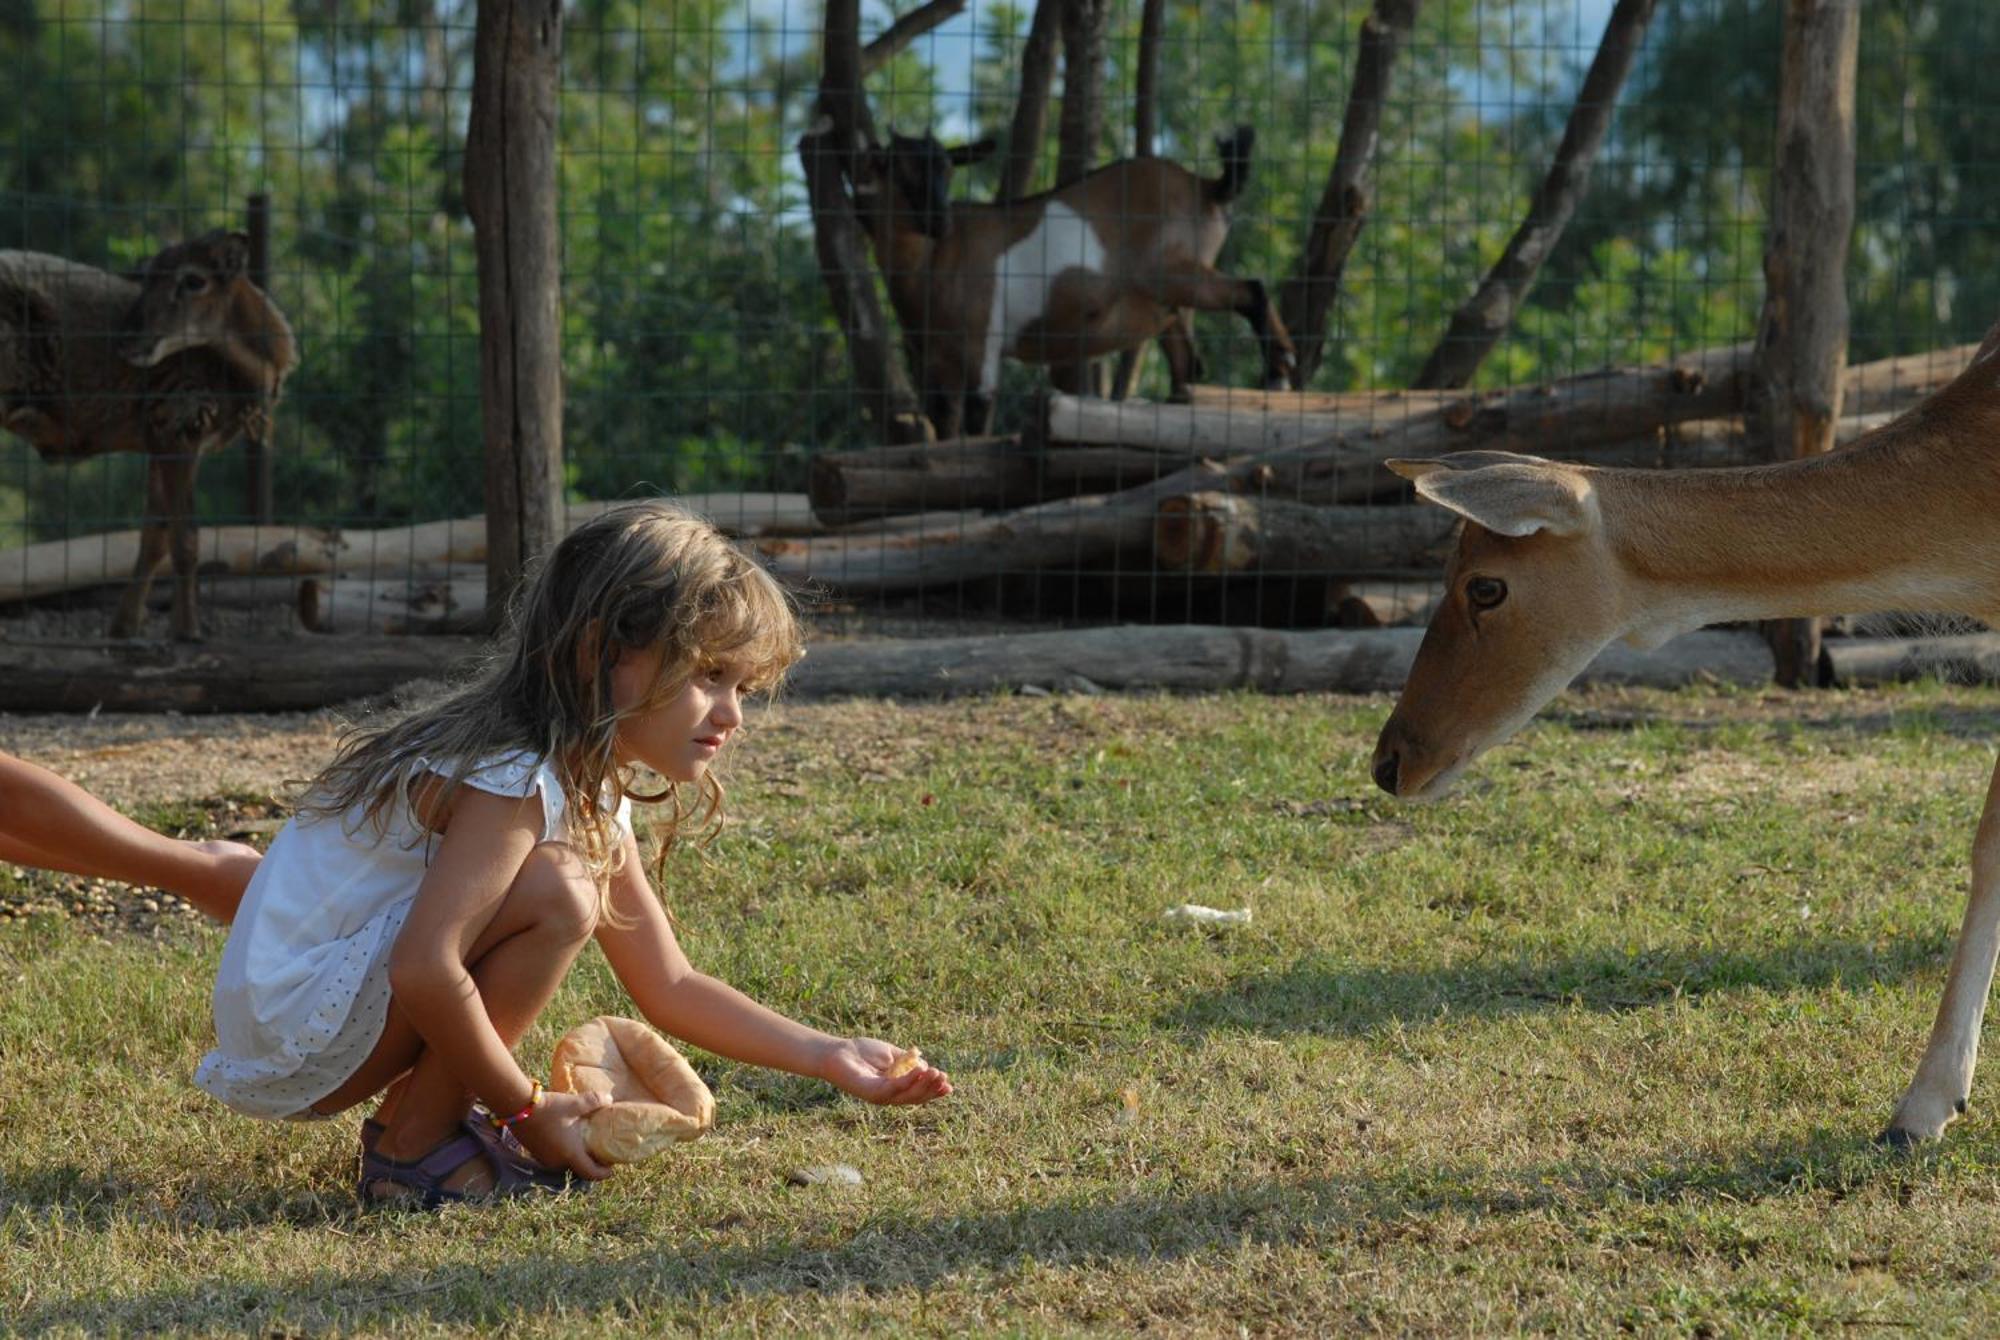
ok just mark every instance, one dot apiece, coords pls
pixel 302 995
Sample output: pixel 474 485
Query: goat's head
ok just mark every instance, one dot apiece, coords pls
pixel 186 294
pixel 1531 595
pixel 913 178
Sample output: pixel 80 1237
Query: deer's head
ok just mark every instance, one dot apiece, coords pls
pixel 187 295
pixel 911 177
pixel 1530 597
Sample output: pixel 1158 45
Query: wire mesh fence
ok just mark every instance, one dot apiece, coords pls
pixel 704 354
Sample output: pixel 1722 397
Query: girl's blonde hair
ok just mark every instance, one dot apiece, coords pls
pixel 639 577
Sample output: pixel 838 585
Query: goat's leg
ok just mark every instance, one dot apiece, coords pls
pixel 154 539
pixel 1943 1083
pixel 1184 366
pixel 1208 290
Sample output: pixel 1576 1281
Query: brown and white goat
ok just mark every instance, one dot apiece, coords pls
pixel 174 362
pixel 1104 264
pixel 1555 561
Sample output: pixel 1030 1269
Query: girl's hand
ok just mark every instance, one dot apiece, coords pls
pixel 860 1066
pixel 554 1134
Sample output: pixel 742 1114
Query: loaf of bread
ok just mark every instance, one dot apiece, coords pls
pixel 656 1098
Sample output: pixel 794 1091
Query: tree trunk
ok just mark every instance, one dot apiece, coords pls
pixel 395 606
pixel 1031 106
pixel 1307 297
pixel 1146 115
pixel 1145 132
pixel 1477 326
pixel 842 129
pixel 258 675
pixel 1883 386
pixel 510 190
pixel 1216 532
pixel 850 487
pixel 1201 658
pixel 106 558
pixel 1080 128
pixel 1563 418
pixel 1802 338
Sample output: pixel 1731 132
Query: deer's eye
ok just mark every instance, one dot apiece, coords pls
pixel 1483 593
pixel 193 282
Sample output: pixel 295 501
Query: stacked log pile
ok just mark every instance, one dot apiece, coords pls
pixel 1234 485
pixel 1272 483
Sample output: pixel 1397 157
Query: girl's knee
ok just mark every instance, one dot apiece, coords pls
pixel 558 895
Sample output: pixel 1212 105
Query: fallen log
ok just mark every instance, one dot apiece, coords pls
pixel 977 473
pixel 1072 530
pixel 1218 532
pixel 1885 384
pixel 1557 421
pixel 1391 604
pixel 1189 658
pixel 260 675
pixel 95 560
pixel 452 602
pixel 1970 658
pixel 1572 419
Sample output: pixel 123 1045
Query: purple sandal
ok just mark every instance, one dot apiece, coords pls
pixel 420 1182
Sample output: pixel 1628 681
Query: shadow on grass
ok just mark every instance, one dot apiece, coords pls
pixel 1321 995
pixel 603 1275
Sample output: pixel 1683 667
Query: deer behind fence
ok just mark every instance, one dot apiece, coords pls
pixel 174 362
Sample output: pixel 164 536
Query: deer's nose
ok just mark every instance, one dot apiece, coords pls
pixel 1387 764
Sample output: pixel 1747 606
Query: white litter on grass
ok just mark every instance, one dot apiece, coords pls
pixel 1209 916
pixel 826 1174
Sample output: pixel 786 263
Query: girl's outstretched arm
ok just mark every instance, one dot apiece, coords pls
pixel 54 824
pixel 640 944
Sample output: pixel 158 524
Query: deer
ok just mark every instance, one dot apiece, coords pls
pixel 1554 561
pixel 1118 257
pixel 174 361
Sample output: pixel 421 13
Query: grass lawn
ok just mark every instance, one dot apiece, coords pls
pixel 1597 1044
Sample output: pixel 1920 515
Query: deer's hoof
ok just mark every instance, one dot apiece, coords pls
pixel 1900 1140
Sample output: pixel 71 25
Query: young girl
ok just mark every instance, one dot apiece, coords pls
pixel 48 822
pixel 407 927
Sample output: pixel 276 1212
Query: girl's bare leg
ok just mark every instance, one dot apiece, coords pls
pixel 517 963
pixel 52 823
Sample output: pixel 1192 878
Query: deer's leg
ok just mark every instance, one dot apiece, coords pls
pixel 1208 290
pixel 186 541
pixel 161 488
pixel 1943 1083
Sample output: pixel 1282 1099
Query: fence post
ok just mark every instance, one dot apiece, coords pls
pixel 1802 336
pixel 510 193
pixel 259 504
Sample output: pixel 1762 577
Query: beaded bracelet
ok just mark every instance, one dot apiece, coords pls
pixel 501 1123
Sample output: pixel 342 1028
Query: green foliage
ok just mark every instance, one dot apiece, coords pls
pixel 698 345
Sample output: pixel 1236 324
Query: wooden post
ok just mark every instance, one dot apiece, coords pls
pixel 842 128
pixel 259 504
pixel 1308 295
pixel 1478 325
pixel 1802 338
pixel 510 193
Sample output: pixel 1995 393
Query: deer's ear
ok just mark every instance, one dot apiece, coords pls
pixel 1511 495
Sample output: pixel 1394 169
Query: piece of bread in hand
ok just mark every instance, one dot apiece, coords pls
pixel 905 1063
pixel 656 1098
